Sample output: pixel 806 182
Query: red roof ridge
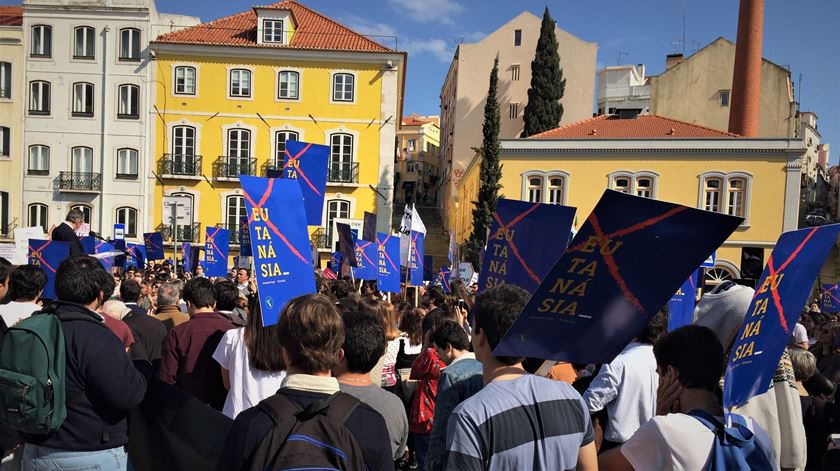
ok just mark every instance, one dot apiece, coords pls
pixel 650 126
pixel 569 125
pixel 731 134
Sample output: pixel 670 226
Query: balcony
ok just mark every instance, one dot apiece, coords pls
pixel 234 231
pixel 228 167
pixel 343 172
pixel 321 239
pixel 185 232
pixel 79 182
pixel 270 169
pixel 180 166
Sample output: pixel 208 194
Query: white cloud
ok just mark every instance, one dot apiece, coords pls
pixel 367 27
pixel 427 11
pixel 474 36
pixel 439 48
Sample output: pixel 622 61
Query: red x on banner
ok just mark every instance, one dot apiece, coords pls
pixel 294 162
pixel 148 240
pixel 385 252
pixel 361 248
pixel 257 206
pixel 414 252
pixel 211 239
pixel 505 228
pixel 774 271
pixel 37 255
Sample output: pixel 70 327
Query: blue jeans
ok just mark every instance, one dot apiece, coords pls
pixel 421 446
pixel 41 458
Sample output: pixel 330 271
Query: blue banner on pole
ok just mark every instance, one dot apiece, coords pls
pixel 681 305
pixel 780 293
pixel 442 279
pixel 48 254
pixel 186 256
pixel 335 263
pixel 525 241
pixel 369 227
pixel 244 238
pixel 367 258
pixel 603 290
pixel 388 260
pixel 88 244
pixel 416 258
pixel 830 298
pixel 280 242
pixel 307 164
pixel 216 246
pixel 154 245
pixel 135 256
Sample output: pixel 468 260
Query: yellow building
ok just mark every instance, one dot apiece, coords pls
pixel 11 118
pixel 231 92
pixel 654 157
pixel 418 161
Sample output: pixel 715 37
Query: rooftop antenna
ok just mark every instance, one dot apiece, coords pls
pixel 799 92
pixel 619 54
pixel 684 12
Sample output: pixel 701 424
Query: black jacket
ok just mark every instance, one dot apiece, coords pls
pixel 65 233
pixel 101 384
pixel 147 330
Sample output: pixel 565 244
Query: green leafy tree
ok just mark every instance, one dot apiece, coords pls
pixel 544 110
pixel 490 171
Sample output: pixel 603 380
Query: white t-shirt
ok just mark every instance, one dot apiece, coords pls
pixel 678 442
pixel 248 386
pixel 14 312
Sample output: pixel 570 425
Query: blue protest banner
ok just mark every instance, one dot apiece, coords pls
pixel 830 298
pixel 102 247
pixel 781 292
pixel 280 242
pixel 602 291
pixel 48 254
pixel 216 246
pixel 307 163
pixel 442 279
pixel 244 238
pixel 135 256
pixel 186 256
pixel 369 227
pixel 154 245
pixel 388 255
pixel 346 241
pixel 88 244
pixel 367 259
pixel 681 305
pixel 336 263
pixel 525 241
pixel 415 258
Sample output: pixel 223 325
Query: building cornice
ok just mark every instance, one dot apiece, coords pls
pixel 277 53
pixel 687 147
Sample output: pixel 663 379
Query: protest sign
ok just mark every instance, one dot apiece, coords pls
pixel 830 298
pixel 367 260
pixel 415 258
pixel 135 256
pixel 88 244
pixel 154 245
pixel 369 227
pixel 681 305
pixel 186 256
pixel 780 293
pixel 526 239
pixel 336 263
pixel 306 164
pixel 22 236
pixel 388 256
pixel 453 249
pixel 626 261
pixel 442 279
pixel 216 246
pixel 244 238
pixel 410 222
pixel 8 250
pixel 346 243
pixel 105 252
pixel 48 254
pixel 280 242
pixel 465 273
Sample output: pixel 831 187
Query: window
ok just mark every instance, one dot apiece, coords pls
pixel 736 197
pixel 39 98
pixel 86 210
pixel 234 213
pixel 514 72
pixel 5 141
pixel 412 144
pixel 4 214
pixel 129 102
pixel 409 167
pixel 288 85
pixel 39 160
pixel 129 44
pixel 183 141
pixel 723 97
pixel 240 83
pixel 555 190
pixel 343 87
pixel 535 189
pixel 81 160
pixel 82 100
pixel 280 138
pixel 513 110
pixel 622 184
pixel 640 183
pixel 37 216
pixel 85 42
pixel 711 190
pixel 5 80
pixel 128 216
pixel 273 31
pixel 239 153
pixel 336 209
pixel 127 164
pixel 341 158
pixel 517 37
pixel 644 187
pixel 41 41
pixel 184 80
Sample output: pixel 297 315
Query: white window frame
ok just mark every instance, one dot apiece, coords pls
pixel 633 179
pixel 545 186
pixel 230 72
pixel 297 94
pixel 132 90
pixel 45 34
pixel 333 75
pixel 5 80
pixel 515 71
pixel 185 67
pixel 549 188
pixel 41 218
pixel 128 216
pixel 265 31
pixel 44 88
pixel 241 212
pixel 85 153
pixel 81 87
pixel 88 42
pixel 131 40
pixel 278 156
pixel 42 156
pixel 125 155
pixel 726 179
pixel 328 220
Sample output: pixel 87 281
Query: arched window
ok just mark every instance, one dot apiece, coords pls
pixel 39 97
pixel 130 44
pixel 234 214
pixel 336 209
pixel 184 159
pixel 622 183
pixel 288 83
pixel 5 79
pixel 343 87
pixel 38 216
pixel 644 187
pixel 280 138
pixel 736 196
pixel 39 160
pixel 84 42
pixel 127 164
pixel 128 106
pixel 128 216
pixel 185 80
pixel 727 193
pixel 83 99
pixel 535 187
pixel 341 158
pixel 634 183
pixel 712 192
pixel 41 41
pixel 556 190
pixel 81 160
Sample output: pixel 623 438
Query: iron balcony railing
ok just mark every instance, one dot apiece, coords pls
pixel 79 181
pixel 321 239
pixel 228 166
pixel 7 229
pixel 343 172
pixel 185 232
pixel 180 165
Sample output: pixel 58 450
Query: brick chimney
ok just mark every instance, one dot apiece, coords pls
pixel 672 60
pixel 744 109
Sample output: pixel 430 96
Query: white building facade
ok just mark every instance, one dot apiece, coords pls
pixel 623 86
pixel 86 119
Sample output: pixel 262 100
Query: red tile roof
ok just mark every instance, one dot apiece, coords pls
pixel 643 127
pixel 312 31
pixel 11 15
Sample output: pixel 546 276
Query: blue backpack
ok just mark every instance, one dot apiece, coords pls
pixel 734 448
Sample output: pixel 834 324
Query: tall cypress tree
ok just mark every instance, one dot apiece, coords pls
pixel 544 110
pixel 490 171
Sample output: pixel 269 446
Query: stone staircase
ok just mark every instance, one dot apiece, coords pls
pixel 437 238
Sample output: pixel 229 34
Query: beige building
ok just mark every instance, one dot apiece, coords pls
pixel 11 113
pixel 417 170
pixel 464 91
pixel 698 89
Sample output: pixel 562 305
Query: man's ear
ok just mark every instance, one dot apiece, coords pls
pixel 340 355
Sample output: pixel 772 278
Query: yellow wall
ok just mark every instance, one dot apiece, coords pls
pixel 11 113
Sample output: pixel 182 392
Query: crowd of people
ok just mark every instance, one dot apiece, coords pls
pixel 352 379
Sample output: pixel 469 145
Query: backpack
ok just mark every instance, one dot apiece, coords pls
pixel 734 448
pixel 32 362
pixel 314 437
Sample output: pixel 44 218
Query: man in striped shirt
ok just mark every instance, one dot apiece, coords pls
pixel 518 420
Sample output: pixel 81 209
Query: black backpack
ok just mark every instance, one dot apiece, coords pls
pixel 314 437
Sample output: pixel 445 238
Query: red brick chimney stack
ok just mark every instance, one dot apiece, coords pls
pixel 746 79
